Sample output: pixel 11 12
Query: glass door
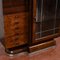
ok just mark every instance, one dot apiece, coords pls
pixel 46 20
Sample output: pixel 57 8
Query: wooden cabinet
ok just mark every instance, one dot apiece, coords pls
pixel 31 24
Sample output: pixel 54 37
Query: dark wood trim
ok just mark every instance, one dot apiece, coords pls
pixel 42 46
pixel 16 49
pixel 30 21
pixel 31 45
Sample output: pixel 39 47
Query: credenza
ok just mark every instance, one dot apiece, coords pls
pixel 30 25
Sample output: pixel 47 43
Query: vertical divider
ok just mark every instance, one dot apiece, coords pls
pixel 30 22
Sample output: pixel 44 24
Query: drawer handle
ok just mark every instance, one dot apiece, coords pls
pixel 36 21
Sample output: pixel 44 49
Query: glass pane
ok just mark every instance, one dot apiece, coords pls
pixel 57 30
pixel 38 10
pixel 46 33
pixel 47 17
pixel 48 14
pixel 47 24
pixel 58 14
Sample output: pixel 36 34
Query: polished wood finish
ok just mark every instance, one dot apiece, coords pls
pixel 15 23
pixel 45 39
pixel 42 46
pixel 20 24
pixel 15 29
pixel 14 6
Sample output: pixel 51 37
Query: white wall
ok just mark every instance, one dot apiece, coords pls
pixel 1 21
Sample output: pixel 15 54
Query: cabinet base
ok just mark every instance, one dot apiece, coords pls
pixel 42 45
pixel 16 49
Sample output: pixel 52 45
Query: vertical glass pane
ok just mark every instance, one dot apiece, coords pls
pixel 38 10
pixel 48 14
pixel 58 14
pixel 47 24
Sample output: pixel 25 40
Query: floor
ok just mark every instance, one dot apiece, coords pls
pixel 51 53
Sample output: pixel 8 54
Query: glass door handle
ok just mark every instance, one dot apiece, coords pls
pixel 36 21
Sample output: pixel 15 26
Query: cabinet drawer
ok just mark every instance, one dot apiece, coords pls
pixel 11 6
pixel 16 28
pixel 15 22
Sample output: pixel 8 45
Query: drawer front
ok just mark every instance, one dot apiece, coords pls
pixel 11 6
pixel 16 29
